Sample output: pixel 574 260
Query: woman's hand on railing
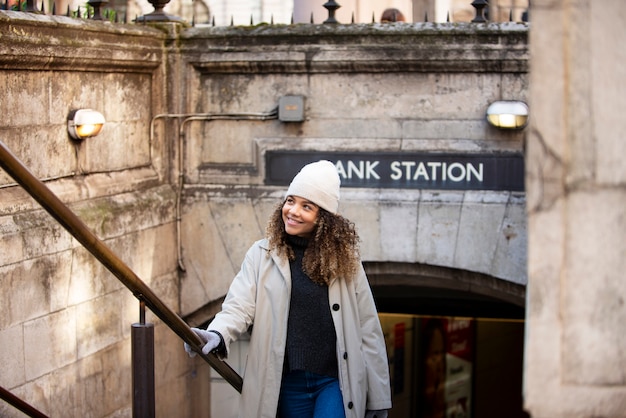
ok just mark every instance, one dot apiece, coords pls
pixel 210 339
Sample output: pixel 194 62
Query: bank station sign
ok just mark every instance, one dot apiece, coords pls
pixel 406 170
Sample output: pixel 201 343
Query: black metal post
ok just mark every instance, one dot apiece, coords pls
pixel 158 15
pixel 97 5
pixel 331 6
pixel 31 7
pixel 480 6
pixel 142 336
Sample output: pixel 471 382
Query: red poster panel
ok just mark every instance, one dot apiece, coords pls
pixel 447 350
pixel 398 358
pixel 460 354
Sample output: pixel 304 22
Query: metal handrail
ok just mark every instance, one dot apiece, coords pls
pixel 75 226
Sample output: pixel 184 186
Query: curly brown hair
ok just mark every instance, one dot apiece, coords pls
pixel 333 250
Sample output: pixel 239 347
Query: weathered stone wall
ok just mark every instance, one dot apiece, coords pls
pixel 65 323
pixel 576 183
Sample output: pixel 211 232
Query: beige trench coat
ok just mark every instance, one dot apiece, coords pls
pixel 260 294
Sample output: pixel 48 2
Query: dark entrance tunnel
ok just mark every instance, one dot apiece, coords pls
pixel 482 337
pixel 421 289
pixel 443 302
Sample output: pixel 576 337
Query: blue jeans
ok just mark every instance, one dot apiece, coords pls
pixel 309 395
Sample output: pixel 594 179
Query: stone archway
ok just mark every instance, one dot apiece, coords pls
pixel 421 289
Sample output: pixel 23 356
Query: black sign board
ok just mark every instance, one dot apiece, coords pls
pixel 404 170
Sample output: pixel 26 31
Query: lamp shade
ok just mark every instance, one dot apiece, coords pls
pixel 508 114
pixel 84 123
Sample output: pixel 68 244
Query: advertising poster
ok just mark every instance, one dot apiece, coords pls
pixel 398 358
pixel 459 368
pixel 446 378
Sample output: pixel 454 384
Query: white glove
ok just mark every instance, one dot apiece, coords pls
pixel 210 339
pixel 381 413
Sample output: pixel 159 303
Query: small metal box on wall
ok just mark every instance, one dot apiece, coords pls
pixel 291 109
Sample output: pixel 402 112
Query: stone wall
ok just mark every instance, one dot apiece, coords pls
pixel 66 321
pixel 576 183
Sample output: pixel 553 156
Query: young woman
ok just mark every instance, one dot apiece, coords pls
pixel 316 346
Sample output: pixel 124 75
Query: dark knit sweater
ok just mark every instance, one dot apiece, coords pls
pixel 311 338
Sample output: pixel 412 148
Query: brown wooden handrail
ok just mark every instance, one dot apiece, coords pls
pixel 23 406
pixel 59 211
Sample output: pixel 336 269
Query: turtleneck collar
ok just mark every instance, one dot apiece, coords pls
pixel 297 241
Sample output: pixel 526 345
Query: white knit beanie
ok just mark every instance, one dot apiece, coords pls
pixel 318 182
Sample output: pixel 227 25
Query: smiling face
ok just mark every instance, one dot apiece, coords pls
pixel 299 216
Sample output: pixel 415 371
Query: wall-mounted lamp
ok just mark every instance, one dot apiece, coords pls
pixel 83 123
pixel 508 114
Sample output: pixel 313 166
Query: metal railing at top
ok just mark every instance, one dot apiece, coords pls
pixel 62 214
pixel 91 9
pixel 98 10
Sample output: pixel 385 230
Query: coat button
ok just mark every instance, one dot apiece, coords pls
pixel 345 356
pixel 350 405
pixel 336 307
